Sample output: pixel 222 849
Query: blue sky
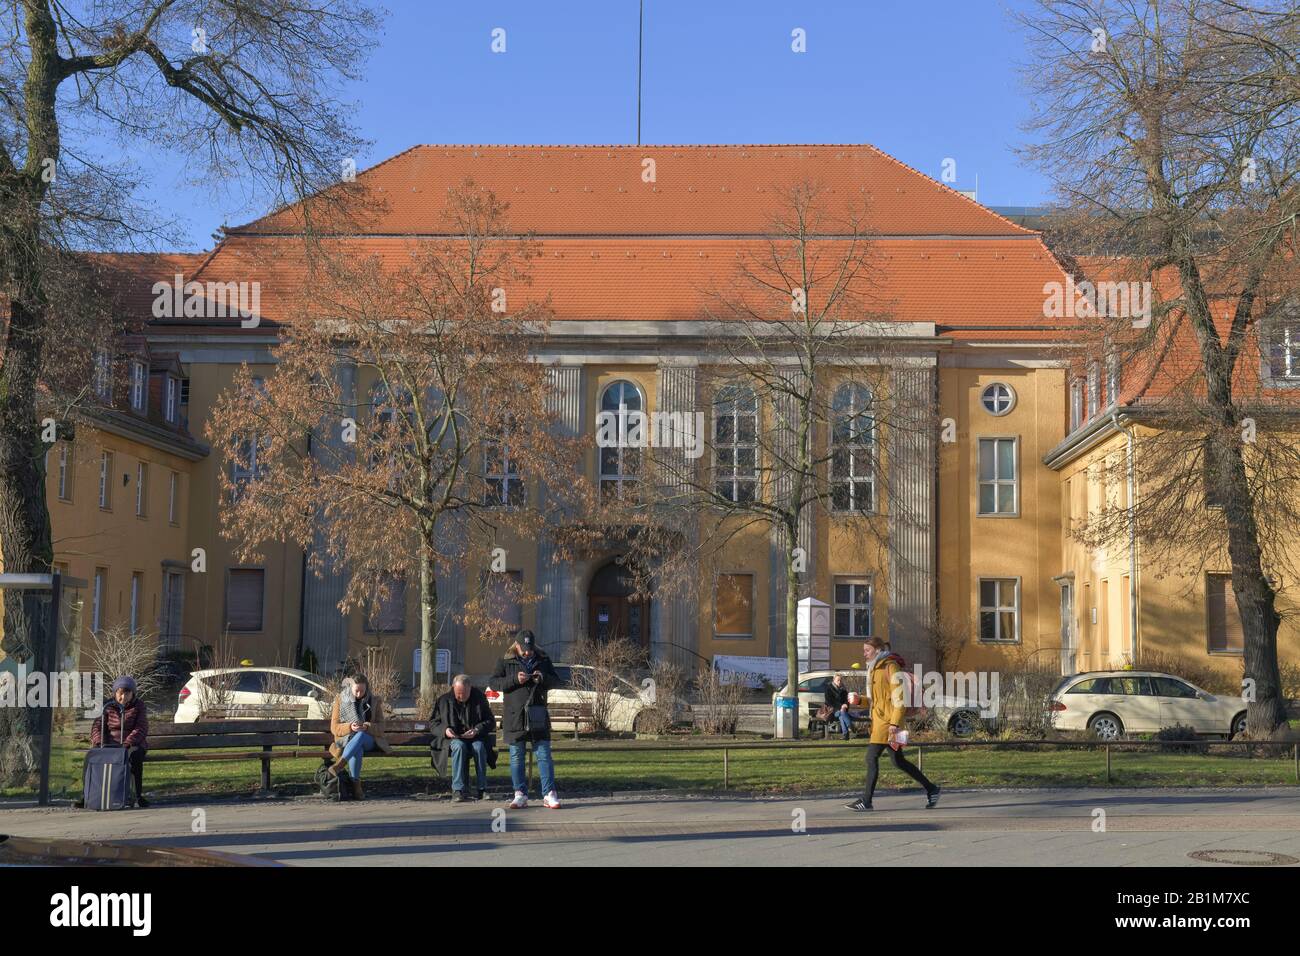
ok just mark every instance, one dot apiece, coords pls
pixel 924 81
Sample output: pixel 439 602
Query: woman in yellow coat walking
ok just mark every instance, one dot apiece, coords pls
pixel 887 711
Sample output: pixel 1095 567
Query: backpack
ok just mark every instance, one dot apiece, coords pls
pixel 906 688
pixel 333 786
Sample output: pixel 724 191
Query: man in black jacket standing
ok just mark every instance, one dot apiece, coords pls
pixel 524 676
pixel 463 723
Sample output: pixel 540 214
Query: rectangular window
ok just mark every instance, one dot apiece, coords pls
pixel 141 490
pixel 1284 350
pixel 1104 623
pixel 1094 386
pixel 997 476
pixel 1112 379
pixel 169 405
pixel 139 386
pixel 504 484
pixel 853 608
pixel 1076 404
pixel 1212 483
pixel 504 589
pixel 733 606
pixel 185 391
pixel 97 599
pixel 65 479
pixel 388 614
pixel 137 595
pixel 106 480
pixel 999 610
pixel 245 588
pixel 104 375
pixel 173 607
pixel 1223 621
pixel 173 496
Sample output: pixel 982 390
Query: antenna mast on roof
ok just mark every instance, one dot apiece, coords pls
pixel 640 31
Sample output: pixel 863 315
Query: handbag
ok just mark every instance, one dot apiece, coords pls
pixel 537 719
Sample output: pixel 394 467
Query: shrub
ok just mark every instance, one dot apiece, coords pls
pixel 669 682
pixel 1180 732
pixel 719 702
pixel 604 662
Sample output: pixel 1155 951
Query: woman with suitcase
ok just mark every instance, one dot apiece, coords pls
pixel 124 723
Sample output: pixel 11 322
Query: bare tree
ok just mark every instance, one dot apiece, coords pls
pixel 800 399
pixel 426 470
pixel 239 88
pixel 1170 131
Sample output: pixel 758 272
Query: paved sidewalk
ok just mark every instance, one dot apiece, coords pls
pixel 969 828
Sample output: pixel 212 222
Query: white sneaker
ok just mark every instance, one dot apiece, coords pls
pixel 520 801
pixel 551 801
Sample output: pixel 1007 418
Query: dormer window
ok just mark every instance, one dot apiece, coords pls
pixel 171 395
pixel 139 387
pixel 104 375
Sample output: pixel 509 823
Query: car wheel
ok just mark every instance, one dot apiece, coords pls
pixel 964 723
pixel 1238 725
pixel 1106 726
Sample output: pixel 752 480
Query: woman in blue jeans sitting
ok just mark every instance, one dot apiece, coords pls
pixel 358 725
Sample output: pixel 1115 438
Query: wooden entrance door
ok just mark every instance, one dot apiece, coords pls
pixel 614 616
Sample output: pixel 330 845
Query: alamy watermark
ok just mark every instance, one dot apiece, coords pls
pixel 212 300
pixel 630 428
pixel 1086 300
pixel 82 690
pixel 931 689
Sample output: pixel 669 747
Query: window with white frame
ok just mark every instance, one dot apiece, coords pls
pixel 853 607
pixel 173 493
pixel 141 490
pixel 106 480
pixel 998 398
pixel 1076 404
pixel 735 443
pixel 853 486
pixel 171 397
pixel 1112 379
pixel 999 610
pixel 1094 387
pixel 620 461
pixel 65 482
pixel 505 486
pixel 139 386
pixel 1284 349
pixel 997 476
pixel 104 375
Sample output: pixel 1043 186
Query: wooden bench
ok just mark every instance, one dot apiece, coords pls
pixel 561 715
pixel 268 740
pixel 289 738
pixel 817 725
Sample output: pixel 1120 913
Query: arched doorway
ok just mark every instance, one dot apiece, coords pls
pixel 612 612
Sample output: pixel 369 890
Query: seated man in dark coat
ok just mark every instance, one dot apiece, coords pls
pixel 462 724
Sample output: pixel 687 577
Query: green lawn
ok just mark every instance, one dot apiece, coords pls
pixel 808 767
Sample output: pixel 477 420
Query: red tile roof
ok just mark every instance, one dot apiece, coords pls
pixel 697 190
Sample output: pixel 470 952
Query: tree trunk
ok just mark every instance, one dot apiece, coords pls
pixel 792 632
pixel 428 622
pixel 1256 603
pixel 1256 598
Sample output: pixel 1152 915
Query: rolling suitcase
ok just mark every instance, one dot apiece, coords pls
pixel 106 778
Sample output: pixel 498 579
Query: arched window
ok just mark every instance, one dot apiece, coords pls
pixel 619 438
pixel 735 443
pixel 853 486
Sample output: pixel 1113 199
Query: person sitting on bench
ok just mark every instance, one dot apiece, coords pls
pixel 357 722
pixel 463 723
pixel 837 699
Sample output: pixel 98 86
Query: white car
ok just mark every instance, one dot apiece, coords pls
pixel 961 716
pixel 1114 703
pixel 626 704
pixel 254 689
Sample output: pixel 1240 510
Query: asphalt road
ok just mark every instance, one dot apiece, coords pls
pixel 969 828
